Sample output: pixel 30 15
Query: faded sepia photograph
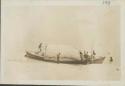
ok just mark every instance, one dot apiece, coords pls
pixel 61 42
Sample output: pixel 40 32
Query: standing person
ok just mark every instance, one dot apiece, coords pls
pixel 93 55
pixel 86 56
pixel 39 48
pixel 45 50
pixel 81 56
pixel 58 57
pixel 111 59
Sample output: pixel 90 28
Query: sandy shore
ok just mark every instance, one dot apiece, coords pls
pixel 29 69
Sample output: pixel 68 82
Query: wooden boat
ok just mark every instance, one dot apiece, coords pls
pixel 32 54
pixel 67 59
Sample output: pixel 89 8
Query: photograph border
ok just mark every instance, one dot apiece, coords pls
pixel 120 3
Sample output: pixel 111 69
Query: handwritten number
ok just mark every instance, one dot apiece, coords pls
pixel 106 2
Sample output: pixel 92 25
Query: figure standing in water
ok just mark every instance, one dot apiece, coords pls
pixel 58 57
pixel 111 59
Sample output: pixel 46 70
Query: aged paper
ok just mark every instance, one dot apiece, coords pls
pixel 62 42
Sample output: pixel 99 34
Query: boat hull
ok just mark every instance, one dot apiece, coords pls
pixel 54 59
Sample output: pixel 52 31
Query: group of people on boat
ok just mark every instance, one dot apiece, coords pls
pixel 85 57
